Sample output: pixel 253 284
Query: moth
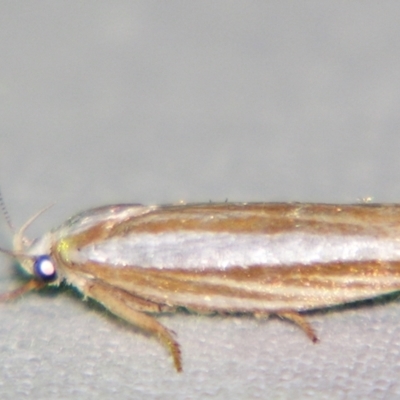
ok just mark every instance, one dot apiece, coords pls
pixel 257 258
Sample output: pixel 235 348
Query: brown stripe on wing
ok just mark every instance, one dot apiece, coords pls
pixel 268 218
pixel 257 288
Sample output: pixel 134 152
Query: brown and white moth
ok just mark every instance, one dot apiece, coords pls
pixel 257 258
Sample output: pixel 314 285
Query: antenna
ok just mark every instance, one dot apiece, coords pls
pixel 6 213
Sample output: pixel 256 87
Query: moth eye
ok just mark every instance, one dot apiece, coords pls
pixel 44 269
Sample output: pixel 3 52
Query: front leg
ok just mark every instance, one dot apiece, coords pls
pixel 129 307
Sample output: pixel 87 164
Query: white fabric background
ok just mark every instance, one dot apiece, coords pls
pixel 155 102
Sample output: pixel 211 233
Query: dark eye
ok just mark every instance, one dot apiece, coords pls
pixel 44 269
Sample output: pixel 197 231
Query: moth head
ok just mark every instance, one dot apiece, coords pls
pixel 34 261
pixel 34 257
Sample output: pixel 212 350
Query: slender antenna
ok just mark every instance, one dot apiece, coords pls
pixel 6 213
pixel 15 254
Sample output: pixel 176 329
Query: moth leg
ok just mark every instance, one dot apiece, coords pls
pixel 261 315
pixel 31 285
pixel 300 321
pixel 122 304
